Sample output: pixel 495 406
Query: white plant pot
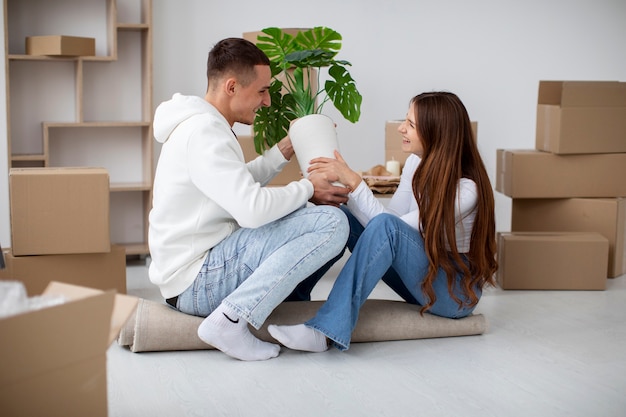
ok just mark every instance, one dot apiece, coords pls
pixel 313 136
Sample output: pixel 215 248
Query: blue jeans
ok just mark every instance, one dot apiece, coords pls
pixel 387 249
pixel 254 270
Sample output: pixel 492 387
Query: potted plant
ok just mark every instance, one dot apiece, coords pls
pixel 296 63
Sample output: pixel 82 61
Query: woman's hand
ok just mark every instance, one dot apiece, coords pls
pixel 336 168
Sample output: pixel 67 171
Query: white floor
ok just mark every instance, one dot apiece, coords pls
pixel 546 353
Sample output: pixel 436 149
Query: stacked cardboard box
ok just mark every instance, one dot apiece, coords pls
pixel 60 230
pixel 573 181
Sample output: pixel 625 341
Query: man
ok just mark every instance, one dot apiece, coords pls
pixel 223 246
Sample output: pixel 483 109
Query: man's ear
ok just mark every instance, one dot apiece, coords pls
pixel 229 86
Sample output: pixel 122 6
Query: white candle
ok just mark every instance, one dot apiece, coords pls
pixel 393 166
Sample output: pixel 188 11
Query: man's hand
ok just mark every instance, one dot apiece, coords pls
pixel 325 192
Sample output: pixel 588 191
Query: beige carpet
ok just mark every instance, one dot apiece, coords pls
pixel 158 327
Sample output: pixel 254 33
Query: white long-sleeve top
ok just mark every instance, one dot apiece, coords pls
pixel 204 191
pixel 365 206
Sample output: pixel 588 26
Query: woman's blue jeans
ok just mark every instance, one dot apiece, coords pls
pixel 254 270
pixel 387 249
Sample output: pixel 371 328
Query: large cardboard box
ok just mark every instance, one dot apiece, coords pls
pixel 59 210
pixel 393 141
pixel 606 216
pixel 552 261
pixel 578 117
pixel 53 360
pixel 291 171
pixel 59 45
pixel 538 174
pixel 106 270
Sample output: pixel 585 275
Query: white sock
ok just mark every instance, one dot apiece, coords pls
pixel 299 337
pixel 225 330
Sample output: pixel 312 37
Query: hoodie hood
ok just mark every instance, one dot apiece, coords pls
pixel 171 113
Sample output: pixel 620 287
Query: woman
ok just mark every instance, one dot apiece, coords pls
pixel 434 244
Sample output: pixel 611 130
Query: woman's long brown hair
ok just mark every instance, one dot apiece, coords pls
pixel 449 154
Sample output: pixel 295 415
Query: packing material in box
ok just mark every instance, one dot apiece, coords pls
pixel 606 216
pixel 53 360
pixel 60 45
pixel 577 117
pixel 537 174
pixel 59 210
pixel 291 171
pixel 552 261
pixel 106 270
pixel 393 141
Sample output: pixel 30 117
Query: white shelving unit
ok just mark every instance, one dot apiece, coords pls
pixel 87 110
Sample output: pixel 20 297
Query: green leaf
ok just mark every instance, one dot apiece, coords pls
pixel 319 37
pixel 271 124
pixel 276 45
pixel 310 58
pixel 343 93
pixel 302 95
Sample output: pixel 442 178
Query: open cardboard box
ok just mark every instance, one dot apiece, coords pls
pixel 580 117
pixel 53 360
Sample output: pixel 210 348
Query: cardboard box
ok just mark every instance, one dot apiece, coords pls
pixel 552 261
pixel 59 45
pixel 606 216
pixel 253 36
pixel 104 271
pixel 59 210
pixel 578 117
pixel 291 171
pixel 393 141
pixel 539 174
pixel 53 360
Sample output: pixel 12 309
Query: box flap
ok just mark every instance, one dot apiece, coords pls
pixel 123 305
pixel 582 93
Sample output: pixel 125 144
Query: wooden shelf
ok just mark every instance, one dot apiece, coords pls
pixel 87 110
pixel 133 26
pixel 34 157
pixel 136 248
pixel 130 186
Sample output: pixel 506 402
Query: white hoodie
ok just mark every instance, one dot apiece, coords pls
pixel 204 191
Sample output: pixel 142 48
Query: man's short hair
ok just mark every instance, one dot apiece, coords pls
pixel 236 56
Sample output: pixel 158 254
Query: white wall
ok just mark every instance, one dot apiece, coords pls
pixel 492 53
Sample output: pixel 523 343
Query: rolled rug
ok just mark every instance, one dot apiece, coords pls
pixel 158 327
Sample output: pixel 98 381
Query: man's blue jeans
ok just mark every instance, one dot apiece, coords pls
pixel 254 270
pixel 387 249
